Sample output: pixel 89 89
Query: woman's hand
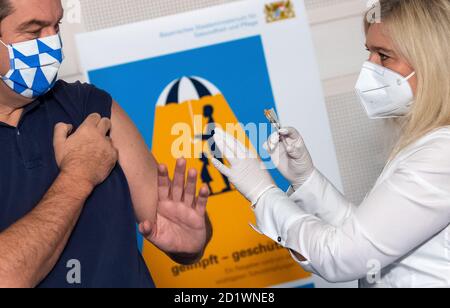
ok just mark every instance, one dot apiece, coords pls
pixel 247 172
pixel 289 153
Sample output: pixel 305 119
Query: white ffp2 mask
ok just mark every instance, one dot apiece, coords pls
pixel 383 92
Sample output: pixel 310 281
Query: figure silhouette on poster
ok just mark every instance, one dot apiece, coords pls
pixel 208 112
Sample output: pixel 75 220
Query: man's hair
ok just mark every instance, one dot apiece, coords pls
pixel 5 9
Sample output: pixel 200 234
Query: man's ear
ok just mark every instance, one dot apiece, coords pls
pixel 1 33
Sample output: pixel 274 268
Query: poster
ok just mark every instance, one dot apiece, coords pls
pixel 181 76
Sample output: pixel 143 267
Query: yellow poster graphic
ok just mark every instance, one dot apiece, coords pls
pixel 237 257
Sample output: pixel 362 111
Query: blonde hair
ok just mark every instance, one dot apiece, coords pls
pixel 420 30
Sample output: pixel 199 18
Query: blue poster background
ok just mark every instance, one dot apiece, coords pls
pixel 237 68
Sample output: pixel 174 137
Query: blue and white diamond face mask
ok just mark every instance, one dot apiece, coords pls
pixel 34 65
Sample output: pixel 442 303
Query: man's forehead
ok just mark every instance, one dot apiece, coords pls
pixel 44 10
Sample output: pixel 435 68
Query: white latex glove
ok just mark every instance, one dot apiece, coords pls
pixel 247 172
pixel 290 155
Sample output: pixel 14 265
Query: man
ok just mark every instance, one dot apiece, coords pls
pixel 76 174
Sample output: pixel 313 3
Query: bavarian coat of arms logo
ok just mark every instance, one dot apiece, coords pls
pixel 280 10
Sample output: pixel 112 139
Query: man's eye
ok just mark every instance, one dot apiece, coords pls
pixel 58 25
pixel 34 32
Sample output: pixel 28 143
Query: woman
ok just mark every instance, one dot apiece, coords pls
pixel 400 235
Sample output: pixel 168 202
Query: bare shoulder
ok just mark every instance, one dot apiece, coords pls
pixel 134 154
pixel 124 132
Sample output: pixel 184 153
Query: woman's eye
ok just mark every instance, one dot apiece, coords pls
pixel 383 57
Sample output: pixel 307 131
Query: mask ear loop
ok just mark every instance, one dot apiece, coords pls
pixel 410 76
pixel 1 77
pixel 400 81
pixel 3 44
pixel 406 79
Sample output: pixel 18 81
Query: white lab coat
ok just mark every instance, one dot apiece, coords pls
pixel 402 227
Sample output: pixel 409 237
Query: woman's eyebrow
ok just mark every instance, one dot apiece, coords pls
pixel 379 48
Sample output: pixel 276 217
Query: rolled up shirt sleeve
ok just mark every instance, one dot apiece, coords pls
pixel 400 214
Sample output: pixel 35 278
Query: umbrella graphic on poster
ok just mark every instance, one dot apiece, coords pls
pixel 197 103
pixel 186 114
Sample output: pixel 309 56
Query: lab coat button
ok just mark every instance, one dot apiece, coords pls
pixel 280 239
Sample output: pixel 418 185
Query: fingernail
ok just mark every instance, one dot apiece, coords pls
pixel 205 189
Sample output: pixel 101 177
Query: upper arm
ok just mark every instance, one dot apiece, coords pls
pixel 140 168
pixel 413 204
pixel 137 162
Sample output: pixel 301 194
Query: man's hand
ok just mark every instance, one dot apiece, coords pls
pixel 87 156
pixel 181 226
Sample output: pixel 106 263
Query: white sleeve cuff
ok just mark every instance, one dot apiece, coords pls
pixel 308 194
pixel 306 265
pixel 275 214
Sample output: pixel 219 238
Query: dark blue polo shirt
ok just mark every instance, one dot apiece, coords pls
pixel 104 240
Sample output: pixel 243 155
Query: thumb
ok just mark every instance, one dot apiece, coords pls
pixel 290 133
pixel 273 142
pixel 145 228
pixel 61 133
pixel 221 167
pixel 297 150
